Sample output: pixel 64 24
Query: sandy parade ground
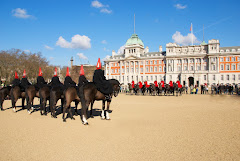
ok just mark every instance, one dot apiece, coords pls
pixel 190 127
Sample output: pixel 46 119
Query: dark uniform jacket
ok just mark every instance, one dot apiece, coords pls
pixel 82 80
pixel 101 83
pixel 68 82
pixel 55 82
pixel 24 84
pixel 16 82
pixel 41 82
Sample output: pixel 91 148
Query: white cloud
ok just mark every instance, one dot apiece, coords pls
pixel 106 58
pixel 78 41
pixel 20 13
pixel 105 49
pixel 105 10
pixel 97 4
pixel 104 42
pixel 82 56
pixel 48 47
pixel 184 40
pixel 121 50
pixel 179 6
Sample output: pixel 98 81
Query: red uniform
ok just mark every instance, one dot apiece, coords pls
pixel 140 84
pixel 162 82
pixel 146 84
pixel 179 84
pixel 171 84
pixel 155 83
pixel 132 84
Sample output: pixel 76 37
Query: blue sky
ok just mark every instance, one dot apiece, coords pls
pixel 87 29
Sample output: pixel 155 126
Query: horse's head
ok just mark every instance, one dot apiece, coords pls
pixel 116 86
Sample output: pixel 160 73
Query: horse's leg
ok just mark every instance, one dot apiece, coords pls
pixel 1 103
pixel 44 106
pixel 70 113
pixel 41 105
pixel 103 110
pixel 76 105
pixel 23 99
pixel 28 104
pixel 13 102
pixel 84 112
pixel 91 111
pixel 64 110
pixel 107 111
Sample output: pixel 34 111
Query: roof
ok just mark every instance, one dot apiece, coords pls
pixel 133 40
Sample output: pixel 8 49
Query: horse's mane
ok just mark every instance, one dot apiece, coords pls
pixel 114 81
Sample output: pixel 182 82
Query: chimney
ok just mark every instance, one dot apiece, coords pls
pixel 160 48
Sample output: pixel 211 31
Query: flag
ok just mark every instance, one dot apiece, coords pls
pixel 191 27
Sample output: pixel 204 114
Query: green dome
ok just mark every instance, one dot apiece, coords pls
pixel 203 43
pixel 133 40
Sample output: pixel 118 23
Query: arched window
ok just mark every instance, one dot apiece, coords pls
pixel 155 70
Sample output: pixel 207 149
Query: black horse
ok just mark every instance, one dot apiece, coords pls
pixel 4 92
pixel 89 94
pixel 56 93
pixel 16 93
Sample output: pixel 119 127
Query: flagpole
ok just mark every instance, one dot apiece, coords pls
pixel 192 33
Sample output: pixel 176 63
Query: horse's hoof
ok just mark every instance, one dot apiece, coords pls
pixel 2 109
pixel 76 114
pixel 14 110
pixel 108 119
pixel 73 118
pixel 29 112
pixel 32 108
pixel 64 120
pixel 85 123
pixel 102 118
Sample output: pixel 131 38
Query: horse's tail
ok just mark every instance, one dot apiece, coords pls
pixel 83 103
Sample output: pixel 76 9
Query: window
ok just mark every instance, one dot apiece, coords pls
pixel 221 67
pixel 191 68
pixel 127 70
pixel 179 61
pixel 213 67
pixel 233 67
pixel 205 67
pixel 141 78
pixel 238 66
pixel 238 76
pixel 227 59
pixel 151 62
pixel 151 69
pixel 185 61
pixel 234 77
pixel 112 71
pixel 136 62
pixel 127 79
pixel 115 70
pixel 205 60
pixel 199 67
pixel 147 78
pixel 222 78
pixel 205 77
pixel 155 69
pixel 127 63
pixel 185 68
pixel 214 77
pixel 136 70
pixel 155 77
pixel 146 69
pixel 227 67
pixel 123 78
pixel 132 70
pixel 141 63
pixel 155 62
pixel 160 61
pixel 147 62
pixel 134 50
pixel 221 59
pixel 123 70
pixel 239 58
pixel 169 68
pixel 131 63
pixel 191 60
pixel 141 70
pixel 213 59
pixel 151 78
pixel 170 77
pixel 233 59
pixel 160 69
pixel 227 77
pixel 179 68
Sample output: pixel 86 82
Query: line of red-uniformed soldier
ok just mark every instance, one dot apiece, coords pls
pixel 162 83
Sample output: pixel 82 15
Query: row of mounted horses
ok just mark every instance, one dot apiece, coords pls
pixel 86 94
pixel 153 90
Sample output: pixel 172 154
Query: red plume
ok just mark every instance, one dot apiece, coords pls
pixel 99 64
pixel 67 74
pixel 55 72
pixel 40 72
pixel 16 76
pixel 81 70
pixel 24 73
